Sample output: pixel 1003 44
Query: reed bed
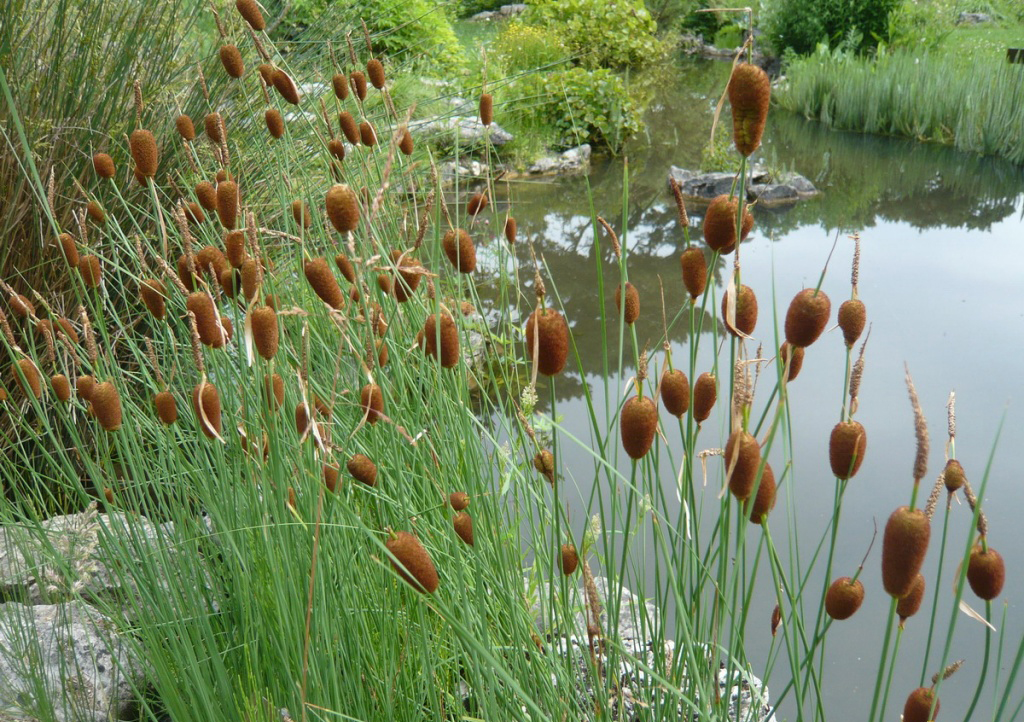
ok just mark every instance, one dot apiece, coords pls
pixel 228 379
pixel 975 106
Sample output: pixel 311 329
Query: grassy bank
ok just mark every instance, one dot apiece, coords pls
pixel 322 314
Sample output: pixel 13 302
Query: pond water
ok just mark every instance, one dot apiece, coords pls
pixel 942 276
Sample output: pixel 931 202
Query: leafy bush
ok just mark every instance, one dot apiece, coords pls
pixel 583 106
pixel 521 47
pixel 601 34
pixel 413 32
pixel 799 25
pixel 472 7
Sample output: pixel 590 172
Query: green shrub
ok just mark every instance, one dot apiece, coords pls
pixel 521 47
pixel 583 106
pixel 600 34
pixel 417 33
pixel 799 25
pixel 472 7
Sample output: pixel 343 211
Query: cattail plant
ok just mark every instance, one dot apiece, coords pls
pixel 675 392
pixel 367 134
pixel 349 127
pixel 794 357
pixel 742 460
pixel 459 500
pixel 632 311
pixel 343 208
pixel 185 127
pixel 166 407
pixel 275 122
pixel 807 317
pixel 844 597
pixel 69 249
pixel 103 164
pixel 90 270
pixel 339 81
pixel 227 203
pixel 375 72
pixel 206 404
pixel 264 331
pixel 720 224
pixel 749 92
pixel 745 315
pixel 26 375
pixel 463 524
pixel 486 108
pixel 358 80
pixel 231 59
pixel 371 400
pixel 705 393
pixel 323 283
pixel 106 405
pixel 442 342
pixel 986 572
pixel 568 559
pixel 285 86
pixel 459 248
pixel 695 271
pixel 412 562
pixel 154 296
pixel 144 152
pixel 511 227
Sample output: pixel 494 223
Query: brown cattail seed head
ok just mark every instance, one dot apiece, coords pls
pixel 511 227
pixel 26 375
pixel 414 564
pixel 84 387
pixel 301 214
pixel 214 125
pixel 106 405
pixel 632 312
pixel 210 406
pixel 919 704
pixel 852 318
pixel 186 128
pixel 447 348
pixel 749 95
pixel 986 572
pixel 250 279
pixel 705 393
pixel 234 248
pixel 764 500
pixel 743 456
pixel 193 212
pixel 695 271
pixel 544 462
pixel 61 386
pixel 343 208
pixel 843 598
pixel 372 401
pixel 69 249
pixel 638 423
pixel 340 84
pixel 144 152
pixel 795 363
pixel 103 164
pixel 846 448
pixel 264 331
pixel 675 392
pixel 302 418
pixel 331 478
pixel 324 285
pixel 405 144
pixel 720 224
pixel 406 281
pixel 953 476
pixel 227 204
pixel 486 108
pixel 231 59
pixel 463 524
pixel 367 135
pixel 362 469
pixel 96 213
pixel 89 268
pixel 547 330
pixel 285 86
pixel 459 248
pixel 807 317
pixel 746 311
pixel 907 606
pixel 266 71
pixel 166 407
pixel 359 84
pixel 336 148
pixel 274 121
pixel 21 306
pixel 459 500
pixel 375 72
pixel 904 546
pixel 68 330
pixel 346 268
pixel 207 195
pixel 477 202
pixel 154 295
pixel 250 12
pixel 201 305
pixel 568 560
pixel 349 127
pixel 273 391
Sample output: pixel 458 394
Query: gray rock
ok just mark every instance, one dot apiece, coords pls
pixel 770 191
pixel 505 11
pixel 85 671
pixel 973 18
pixel 574 160
pixel 469 131
pixel 747 695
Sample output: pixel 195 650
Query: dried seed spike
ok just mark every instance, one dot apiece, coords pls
pixel 375 71
pixel 358 81
pixel 616 246
pixel 543 461
pixel 843 598
pixel 638 423
pixel 197 349
pixel 568 559
pixel 904 546
pixel 920 430
pixel 259 45
pixel 909 605
pixel 286 86
pixel 459 500
pixel 720 224
pixel 275 122
pixel 137 91
pixel 186 129
pixel 26 375
pixel 986 572
pixel 953 476
pixel 372 401
pixel 166 407
pixel 632 303
pixel 323 283
pixel 227 204
pixel 749 92
pixel 90 271
pixel 807 317
pixel 855 271
pixel 339 81
pixel 206 403
pixel 705 393
pixel 547 336
pixel 933 498
pixel 362 469
pixel 103 164
pixel 677 194
pixel 349 127
pixel 951 415
pixel 264 331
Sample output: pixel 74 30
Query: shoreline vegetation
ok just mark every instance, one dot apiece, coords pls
pixel 248 350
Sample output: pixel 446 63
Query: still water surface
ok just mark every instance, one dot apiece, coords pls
pixel 942 277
